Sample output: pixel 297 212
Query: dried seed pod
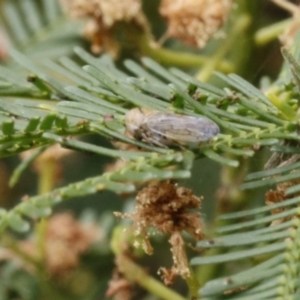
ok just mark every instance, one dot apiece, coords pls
pixel 168 129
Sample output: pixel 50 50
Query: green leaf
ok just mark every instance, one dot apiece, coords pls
pixel 8 127
pixel 17 223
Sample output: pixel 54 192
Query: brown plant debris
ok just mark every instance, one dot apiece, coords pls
pixel 180 266
pixel 195 22
pixel 102 16
pixel 277 196
pixel 166 207
pixel 65 239
pixel 119 287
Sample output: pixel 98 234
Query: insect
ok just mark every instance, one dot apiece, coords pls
pixel 168 129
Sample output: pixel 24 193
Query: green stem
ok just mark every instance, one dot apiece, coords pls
pixel 49 292
pixel 11 244
pixel 41 239
pixel 46 175
pixel 270 33
pixel 177 58
pixel 209 67
pixel 134 272
pixel 46 172
pixel 193 284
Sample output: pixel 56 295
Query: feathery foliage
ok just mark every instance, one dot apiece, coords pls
pixel 39 28
pixel 78 99
pixel 55 100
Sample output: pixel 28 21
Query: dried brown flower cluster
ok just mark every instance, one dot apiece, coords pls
pixel 195 21
pixel 166 207
pixel 110 11
pixel 192 21
pixel 65 240
pixel 119 287
pixel 277 196
pixel 103 15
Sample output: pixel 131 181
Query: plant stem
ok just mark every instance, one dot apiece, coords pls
pixel 269 33
pixel 46 171
pixel 11 244
pixel 177 58
pixel 41 228
pixel 193 283
pixel 46 175
pixel 134 272
pixel 209 67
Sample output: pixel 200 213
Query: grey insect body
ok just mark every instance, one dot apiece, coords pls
pixel 168 129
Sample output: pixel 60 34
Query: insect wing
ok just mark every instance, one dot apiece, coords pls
pixel 181 129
